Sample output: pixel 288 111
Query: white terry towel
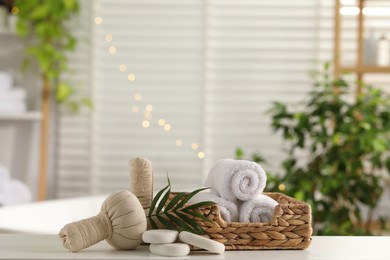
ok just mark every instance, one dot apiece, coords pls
pixel 13 95
pixel 12 107
pixel 258 209
pixel 12 191
pixel 228 209
pixel 236 179
pixel 5 81
pixel 4 177
pixel 15 192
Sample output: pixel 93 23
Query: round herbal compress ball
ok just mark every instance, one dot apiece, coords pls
pixel 120 222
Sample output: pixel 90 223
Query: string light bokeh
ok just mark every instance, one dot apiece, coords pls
pixel 147 120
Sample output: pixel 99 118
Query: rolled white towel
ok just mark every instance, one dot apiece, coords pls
pixel 236 179
pixel 228 209
pixel 258 209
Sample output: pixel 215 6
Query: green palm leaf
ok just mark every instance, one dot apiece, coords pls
pixel 196 214
pixel 172 214
pixel 188 197
pixel 163 201
pixel 199 205
pixel 182 225
pixel 192 223
pixel 175 200
pixel 165 222
pixel 152 223
pixel 155 200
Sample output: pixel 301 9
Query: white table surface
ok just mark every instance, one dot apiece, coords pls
pixel 23 246
pixel 47 217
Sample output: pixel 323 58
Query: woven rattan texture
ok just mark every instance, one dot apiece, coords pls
pixel 290 227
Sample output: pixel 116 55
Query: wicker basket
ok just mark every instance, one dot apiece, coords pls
pixel 290 227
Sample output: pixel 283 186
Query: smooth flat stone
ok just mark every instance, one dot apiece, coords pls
pixel 202 242
pixel 176 249
pixel 160 236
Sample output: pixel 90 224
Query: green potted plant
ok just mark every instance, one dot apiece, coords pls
pixel 346 141
pixel 44 26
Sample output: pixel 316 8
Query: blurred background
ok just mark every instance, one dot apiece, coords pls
pixel 185 83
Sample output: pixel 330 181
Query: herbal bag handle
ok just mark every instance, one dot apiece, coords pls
pixel 141 180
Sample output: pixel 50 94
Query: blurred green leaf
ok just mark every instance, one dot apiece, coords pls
pixel 239 153
pixel 21 28
pixel 336 149
pixel 40 12
pixel 46 26
pixel 70 4
pixel 87 102
pixel 63 92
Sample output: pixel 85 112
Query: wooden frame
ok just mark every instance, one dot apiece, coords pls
pixel 360 69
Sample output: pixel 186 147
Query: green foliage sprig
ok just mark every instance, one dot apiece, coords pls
pixel 175 214
pixel 346 143
pixel 44 24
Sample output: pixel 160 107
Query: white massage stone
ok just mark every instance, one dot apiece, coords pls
pixel 176 249
pixel 160 236
pixel 202 242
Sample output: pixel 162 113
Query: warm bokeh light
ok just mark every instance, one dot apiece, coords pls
pixel 131 77
pixel 122 68
pixel 15 10
pixel 167 127
pixel 98 20
pixel 282 187
pixel 149 108
pixel 112 49
pixel 108 38
pixel 145 124
pixel 194 146
pixel 138 96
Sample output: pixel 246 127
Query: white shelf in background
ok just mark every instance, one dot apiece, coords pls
pixel 7 32
pixel 21 116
